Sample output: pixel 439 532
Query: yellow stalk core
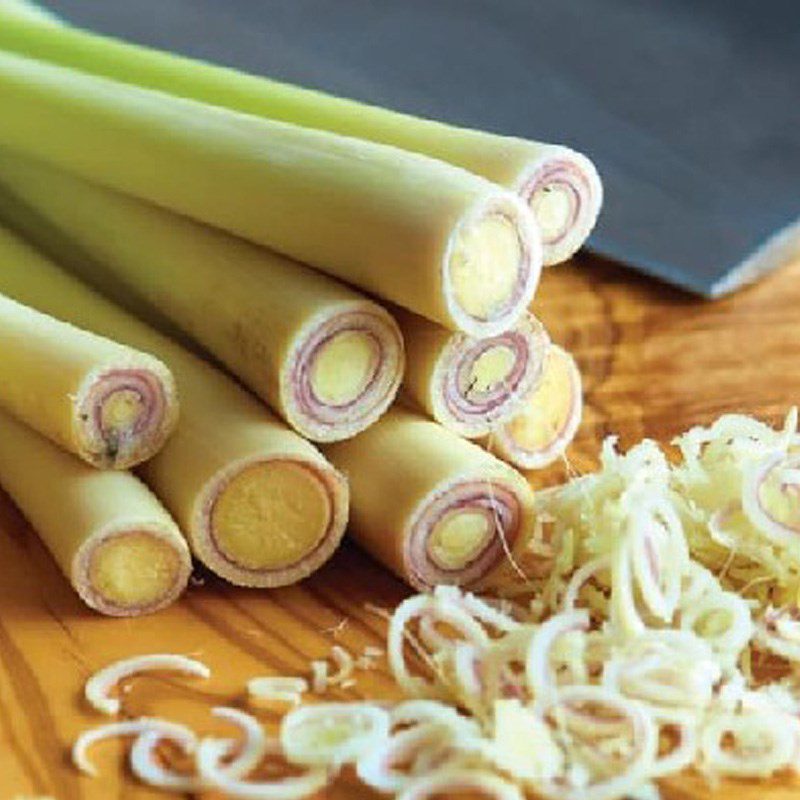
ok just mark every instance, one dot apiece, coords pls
pixel 343 367
pixel 271 515
pixel 121 410
pixel 490 369
pixel 553 403
pixel 458 538
pixel 133 569
pixel 484 266
pixel 552 207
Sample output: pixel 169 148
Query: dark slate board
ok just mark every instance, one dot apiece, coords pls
pixel 691 108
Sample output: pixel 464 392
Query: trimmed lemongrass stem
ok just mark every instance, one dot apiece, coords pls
pixel 326 359
pixel 259 505
pixel 116 544
pixel 431 506
pixel 111 405
pixel 549 420
pixel 470 385
pixel 561 186
pixel 426 235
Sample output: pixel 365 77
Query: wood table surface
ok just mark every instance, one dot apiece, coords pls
pixel 654 361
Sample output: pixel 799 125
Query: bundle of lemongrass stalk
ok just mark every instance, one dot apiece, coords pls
pixel 327 259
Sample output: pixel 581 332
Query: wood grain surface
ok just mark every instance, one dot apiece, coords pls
pixel 654 361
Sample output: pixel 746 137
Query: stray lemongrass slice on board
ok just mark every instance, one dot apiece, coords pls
pixel 99 686
pixel 279 688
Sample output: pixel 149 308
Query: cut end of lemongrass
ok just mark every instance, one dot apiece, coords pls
pixel 126 415
pixel 273 521
pixel 493 266
pixel 462 532
pixel 549 420
pixel 133 571
pixel 480 383
pixel 345 373
pixel 564 192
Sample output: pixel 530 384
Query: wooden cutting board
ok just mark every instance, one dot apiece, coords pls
pixel 655 361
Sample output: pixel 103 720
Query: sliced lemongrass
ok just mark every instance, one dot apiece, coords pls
pixel 751 744
pixel 580 577
pixel 277 688
pixel 779 633
pixel 721 618
pixel 643 738
pixel 684 753
pixel 538 670
pixel 101 683
pixel 146 768
pixel 80 757
pixel 344 663
pixel 332 734
pixel 210 754
pixel 754 482
pixel 319 676
pixel 377 768
pixel 254 747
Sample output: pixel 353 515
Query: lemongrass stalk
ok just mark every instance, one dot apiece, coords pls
pixel 431 506
pixel 259 505
pixel 111 405
pixel 326 359
pixel 470 385
pixel 561 186
pixel 116 544
pixel 541 432
pixel 428 236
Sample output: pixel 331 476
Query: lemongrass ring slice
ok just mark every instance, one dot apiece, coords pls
pixel 537 660
pixel 643 734
pixel 760 746
pixel 332 734
pixel 146 768
pixel 377 767
pixel 255 746
pixel 277 688
pixel 101 683
pixel 763 488
pixel 80 748
pixel 210 754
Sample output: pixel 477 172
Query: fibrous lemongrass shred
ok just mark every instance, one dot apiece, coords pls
pixel 98 687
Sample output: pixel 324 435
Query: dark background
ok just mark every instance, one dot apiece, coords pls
pixel 691 108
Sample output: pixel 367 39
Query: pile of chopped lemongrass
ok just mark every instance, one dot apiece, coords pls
pixel 642 653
